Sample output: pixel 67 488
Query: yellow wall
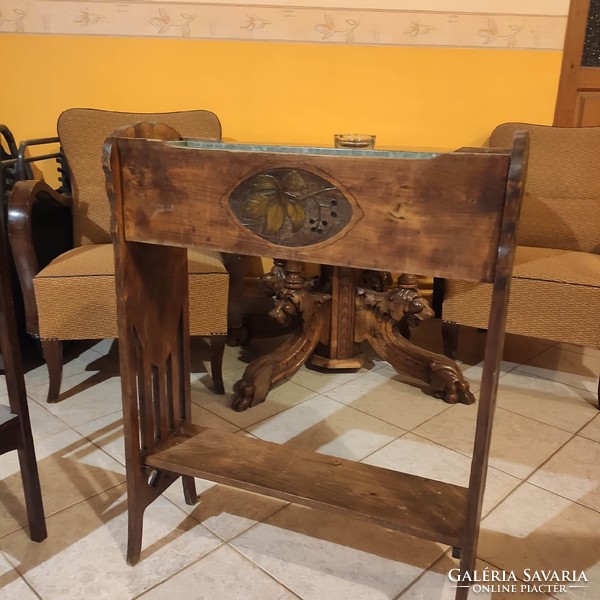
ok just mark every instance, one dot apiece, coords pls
pixel 299 93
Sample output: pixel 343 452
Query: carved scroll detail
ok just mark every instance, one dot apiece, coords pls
pixel 294 303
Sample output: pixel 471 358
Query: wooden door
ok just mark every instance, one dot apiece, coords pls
pixel 578 101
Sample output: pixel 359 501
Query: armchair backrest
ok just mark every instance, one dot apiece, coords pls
pixel 561 204
pixel 82 132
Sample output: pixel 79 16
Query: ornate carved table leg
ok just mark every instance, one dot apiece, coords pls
pixel 311 310
pixel 341 351
pixel 383 320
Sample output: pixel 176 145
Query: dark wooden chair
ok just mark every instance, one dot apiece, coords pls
pixel 15 427
pixel 451 214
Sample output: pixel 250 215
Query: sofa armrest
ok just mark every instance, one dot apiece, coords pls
pixel 35 213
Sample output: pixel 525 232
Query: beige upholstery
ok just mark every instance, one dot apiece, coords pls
pixel 85 279
pixel 555 291
pixel 75 293
pixel 82 132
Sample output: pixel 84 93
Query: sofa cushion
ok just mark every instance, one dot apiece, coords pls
pixel 550 283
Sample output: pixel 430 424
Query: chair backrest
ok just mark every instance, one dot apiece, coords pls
pixel 82 132
pixel 561 204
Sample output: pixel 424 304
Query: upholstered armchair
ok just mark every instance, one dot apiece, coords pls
pixel 73 296
pixel 555 293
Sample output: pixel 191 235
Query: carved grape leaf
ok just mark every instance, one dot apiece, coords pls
pixel 290 206
pixel 273 200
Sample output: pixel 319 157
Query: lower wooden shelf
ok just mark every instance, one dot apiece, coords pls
pixel 422 507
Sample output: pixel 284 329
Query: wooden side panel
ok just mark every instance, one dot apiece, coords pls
pixel 181 196
pixel 153 299
pixel 153 315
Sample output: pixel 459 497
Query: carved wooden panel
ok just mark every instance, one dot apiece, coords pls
pixel 290 207
pixel 182 194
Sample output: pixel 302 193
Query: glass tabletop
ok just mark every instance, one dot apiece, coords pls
pixel 289 149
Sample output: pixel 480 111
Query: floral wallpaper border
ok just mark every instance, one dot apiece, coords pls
pixel 198 20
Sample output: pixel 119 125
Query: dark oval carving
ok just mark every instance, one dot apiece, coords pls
pixel 290 207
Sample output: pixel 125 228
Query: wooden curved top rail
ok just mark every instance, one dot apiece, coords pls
pixel 439 216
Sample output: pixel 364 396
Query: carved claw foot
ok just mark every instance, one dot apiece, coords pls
pixel 244 396
pixel 448 384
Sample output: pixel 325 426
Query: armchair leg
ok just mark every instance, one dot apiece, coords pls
pixel 450 339
pixel 217 349
pixel 52 350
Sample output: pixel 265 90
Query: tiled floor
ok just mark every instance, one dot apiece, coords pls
pixel 541 510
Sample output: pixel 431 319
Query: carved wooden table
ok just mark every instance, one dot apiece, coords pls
pixel 452 215
pixel 356 306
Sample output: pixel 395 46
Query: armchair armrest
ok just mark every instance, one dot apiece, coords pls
pixel 23 168
pixel 31 202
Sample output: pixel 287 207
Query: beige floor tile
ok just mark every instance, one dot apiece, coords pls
pixel 473 373
pixel 70 469
pixel 418 456
pixel 319 555
pixel 79 358
pixel 517 348
pixel 323 381
pixel 200 365
pixel 439 583
pixel 592 429
pixel 519 444
pixel 226 511
pixel 327 426
pixel 573 472
pixel 199 355
pixel 106 433
pixel 587 350
pixel 12 585
pixel 223 574
pixel 107 347
pixel 396 402
pixel 84 554
pixel 578 369
pixel 535 529
pixel 43 422
pixel 205 418
pixel 550 402
pixel 283 396
pixel 85 397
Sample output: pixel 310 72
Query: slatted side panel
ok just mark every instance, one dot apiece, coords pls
pixel 182 196
pixel 153 317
